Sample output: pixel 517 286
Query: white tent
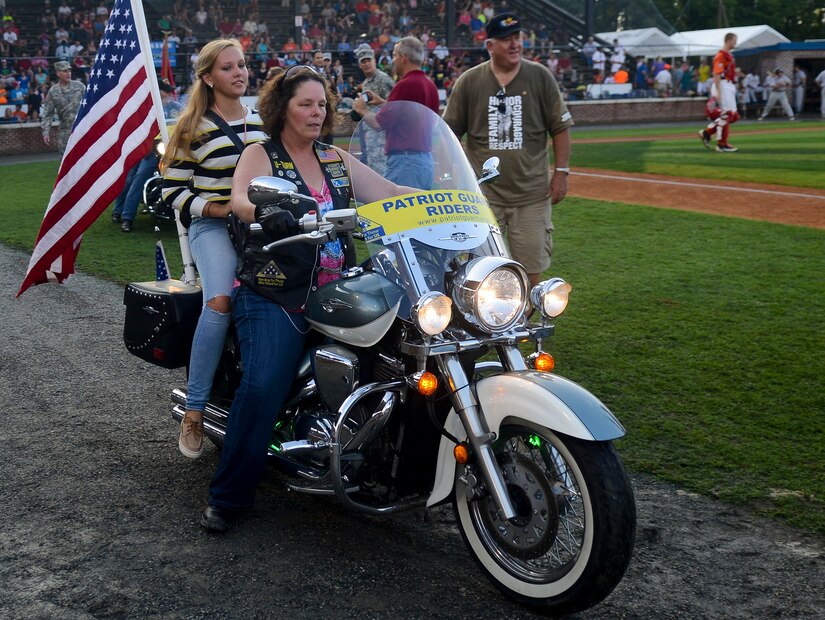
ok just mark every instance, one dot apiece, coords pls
pixel 648 42
pixel 708 42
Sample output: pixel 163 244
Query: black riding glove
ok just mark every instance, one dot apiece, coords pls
pixel 276 222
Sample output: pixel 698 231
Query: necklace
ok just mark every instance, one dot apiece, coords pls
pixel 218 110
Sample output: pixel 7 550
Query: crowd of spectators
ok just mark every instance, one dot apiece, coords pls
pixel 330 32
pixel 26 58
pixel 336 28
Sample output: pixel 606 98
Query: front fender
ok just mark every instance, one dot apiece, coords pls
pixel 549 400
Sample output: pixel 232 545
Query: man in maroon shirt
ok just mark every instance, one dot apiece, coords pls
pixel 408 145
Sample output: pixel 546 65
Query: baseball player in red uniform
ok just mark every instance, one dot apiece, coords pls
pixel 721 108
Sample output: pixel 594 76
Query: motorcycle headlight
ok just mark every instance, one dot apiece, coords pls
pixel 550 297
pixel 491 293
pixel 160 148
pixel 432 313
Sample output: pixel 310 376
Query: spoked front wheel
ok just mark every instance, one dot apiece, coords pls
pixel 573 535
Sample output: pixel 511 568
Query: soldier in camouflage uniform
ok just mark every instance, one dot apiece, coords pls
pixel 64 100
pixel 377 86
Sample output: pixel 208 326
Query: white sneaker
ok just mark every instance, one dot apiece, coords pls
pixel 190 441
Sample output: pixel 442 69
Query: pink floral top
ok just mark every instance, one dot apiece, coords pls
pixel 332 252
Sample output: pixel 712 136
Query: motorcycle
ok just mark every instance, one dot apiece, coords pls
pixel 153 202
pixel 416 392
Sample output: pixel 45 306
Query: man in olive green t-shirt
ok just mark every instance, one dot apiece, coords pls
pixel 507 106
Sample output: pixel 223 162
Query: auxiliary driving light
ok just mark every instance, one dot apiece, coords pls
pixel 550 297
pixel 432 313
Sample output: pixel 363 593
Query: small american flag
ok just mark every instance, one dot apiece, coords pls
pixel 161 264
pixel 113 130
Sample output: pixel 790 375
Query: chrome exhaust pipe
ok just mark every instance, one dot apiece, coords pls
pixel 303 446
pixel 214 425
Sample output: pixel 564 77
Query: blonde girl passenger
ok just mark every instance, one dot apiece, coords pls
pixel 197 179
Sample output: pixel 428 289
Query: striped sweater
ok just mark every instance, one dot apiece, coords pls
pixel 207 174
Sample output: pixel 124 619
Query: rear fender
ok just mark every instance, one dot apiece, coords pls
pixel 545 399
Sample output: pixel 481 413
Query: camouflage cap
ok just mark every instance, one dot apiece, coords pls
pixel 62 65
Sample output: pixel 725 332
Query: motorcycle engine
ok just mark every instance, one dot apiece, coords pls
pixel 318 425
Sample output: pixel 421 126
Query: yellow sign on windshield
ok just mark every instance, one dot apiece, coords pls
pixel 423 209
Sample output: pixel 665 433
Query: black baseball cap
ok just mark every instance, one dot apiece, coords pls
pixel 503 25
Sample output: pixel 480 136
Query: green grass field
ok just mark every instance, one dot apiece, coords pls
pixel 703 334
pixel 796 159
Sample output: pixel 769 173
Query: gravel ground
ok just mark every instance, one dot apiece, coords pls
pixel 98 510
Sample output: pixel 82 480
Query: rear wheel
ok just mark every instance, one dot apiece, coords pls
pixel 573 535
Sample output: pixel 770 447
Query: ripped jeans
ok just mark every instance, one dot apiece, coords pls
pixel 215 259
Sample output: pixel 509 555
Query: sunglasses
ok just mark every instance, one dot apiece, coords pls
pixel 502 104
pixel 295 71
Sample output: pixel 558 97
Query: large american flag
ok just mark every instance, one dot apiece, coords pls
pixel 113 130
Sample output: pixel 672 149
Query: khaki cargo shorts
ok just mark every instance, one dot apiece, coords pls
pixel 529 233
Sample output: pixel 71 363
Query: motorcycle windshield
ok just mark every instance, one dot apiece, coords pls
pixel 439 218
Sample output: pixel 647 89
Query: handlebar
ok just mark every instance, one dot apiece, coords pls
pixel 315 229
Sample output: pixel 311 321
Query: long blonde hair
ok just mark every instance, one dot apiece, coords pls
pixel 200 98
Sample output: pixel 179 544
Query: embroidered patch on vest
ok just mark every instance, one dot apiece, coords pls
pixel 271 275
pixel 336 170
pixel 327 156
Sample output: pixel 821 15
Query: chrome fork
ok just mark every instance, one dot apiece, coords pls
pixel 481 438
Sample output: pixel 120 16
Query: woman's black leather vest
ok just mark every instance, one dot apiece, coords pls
pixel 287 275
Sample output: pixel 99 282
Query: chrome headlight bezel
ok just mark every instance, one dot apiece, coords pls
pixel 474 276
pixel 432 313
pixel 551 297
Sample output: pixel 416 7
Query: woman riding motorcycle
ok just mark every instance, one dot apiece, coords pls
pixel 274 285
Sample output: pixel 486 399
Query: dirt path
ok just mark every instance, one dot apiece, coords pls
pixel 771 203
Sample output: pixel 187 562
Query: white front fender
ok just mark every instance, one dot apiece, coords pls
pixel 548 400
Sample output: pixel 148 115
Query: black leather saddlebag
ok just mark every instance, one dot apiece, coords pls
pixel 160 321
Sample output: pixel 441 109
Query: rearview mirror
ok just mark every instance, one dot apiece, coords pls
pixel 270 190
pixel 489 170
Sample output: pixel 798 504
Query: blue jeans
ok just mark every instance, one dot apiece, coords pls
pixel 272 343
pixel 121 197
pixel 128 200
pixel 215 259
pixel 145 169
pixel 410 168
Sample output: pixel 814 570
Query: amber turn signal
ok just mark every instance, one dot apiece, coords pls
pixel 461 453
pixel 427 384
pixel 543 362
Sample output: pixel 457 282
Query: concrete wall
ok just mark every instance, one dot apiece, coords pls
pixel 625 111
pixel 17 139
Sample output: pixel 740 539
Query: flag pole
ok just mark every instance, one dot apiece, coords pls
pixel 149 62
